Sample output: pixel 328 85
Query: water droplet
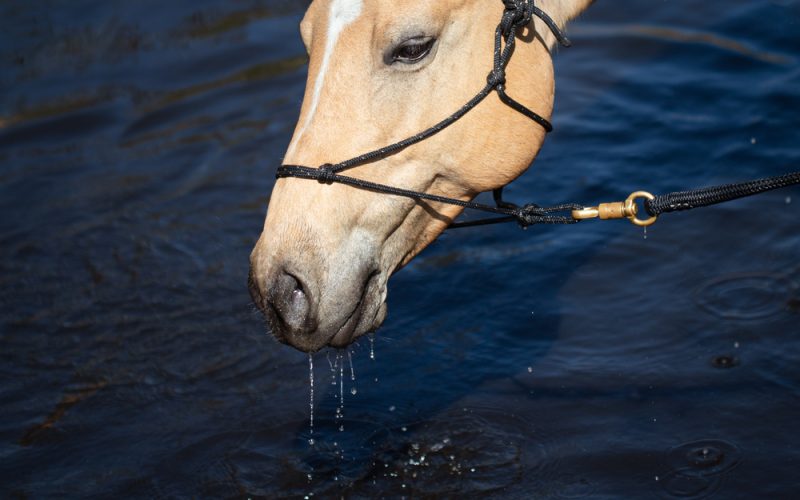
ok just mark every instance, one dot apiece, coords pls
pixel 645 232
pixel 353 391
pixel 788 200
pixel 311 442
pixel 530 369
pixel 735 345
pixel 404 429
pixel 341 428
pixel 753 140
pixel 392 408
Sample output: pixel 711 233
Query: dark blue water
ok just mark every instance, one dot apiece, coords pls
pixel 138 144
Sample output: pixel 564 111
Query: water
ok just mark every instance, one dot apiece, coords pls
pixel 138 146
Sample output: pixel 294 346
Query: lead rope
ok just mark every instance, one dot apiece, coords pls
pixel 516 15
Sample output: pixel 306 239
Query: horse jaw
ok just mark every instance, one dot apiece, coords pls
pixel 320 268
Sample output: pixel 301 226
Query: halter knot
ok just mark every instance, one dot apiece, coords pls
pixel 529 214
pixel 326 174
pixel 518 14
pixel 496 78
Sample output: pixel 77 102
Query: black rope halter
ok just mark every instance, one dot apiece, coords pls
pixel 517 14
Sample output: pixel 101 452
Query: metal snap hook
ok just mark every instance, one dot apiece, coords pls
pixel 631 208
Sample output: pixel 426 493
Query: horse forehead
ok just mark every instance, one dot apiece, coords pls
pixel 339 14
pixel 343 13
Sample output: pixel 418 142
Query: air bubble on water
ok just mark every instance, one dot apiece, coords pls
pixel 311 398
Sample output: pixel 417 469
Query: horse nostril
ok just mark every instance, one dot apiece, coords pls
pixel 292 303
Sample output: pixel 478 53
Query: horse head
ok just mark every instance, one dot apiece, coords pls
pixel 381 71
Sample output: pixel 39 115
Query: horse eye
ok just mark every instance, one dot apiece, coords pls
pixel 413 50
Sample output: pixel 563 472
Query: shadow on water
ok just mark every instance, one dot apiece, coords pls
pixel 138 152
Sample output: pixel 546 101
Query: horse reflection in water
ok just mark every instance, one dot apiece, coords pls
pixel 381 71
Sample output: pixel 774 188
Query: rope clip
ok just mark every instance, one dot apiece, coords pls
pixel 618 210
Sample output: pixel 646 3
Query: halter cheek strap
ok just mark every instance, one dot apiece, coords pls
pixel 516 15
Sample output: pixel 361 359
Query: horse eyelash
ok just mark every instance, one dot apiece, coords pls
pixel 424 47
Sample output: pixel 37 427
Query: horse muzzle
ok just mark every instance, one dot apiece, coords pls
pixel 309 311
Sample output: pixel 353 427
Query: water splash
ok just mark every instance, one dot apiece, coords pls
pixel 311 400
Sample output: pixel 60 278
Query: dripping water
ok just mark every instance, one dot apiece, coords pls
pixel 333 366
pixel 353 389
pixel 340 411
pixel 372 346
pixel 311 400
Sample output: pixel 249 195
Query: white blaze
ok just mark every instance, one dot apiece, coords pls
pixel 342 13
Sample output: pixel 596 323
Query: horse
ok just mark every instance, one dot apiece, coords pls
pixel 380 71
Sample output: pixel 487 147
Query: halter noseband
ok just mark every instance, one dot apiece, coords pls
pixel 516 15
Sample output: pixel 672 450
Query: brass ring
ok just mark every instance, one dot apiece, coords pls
pixel 631 202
